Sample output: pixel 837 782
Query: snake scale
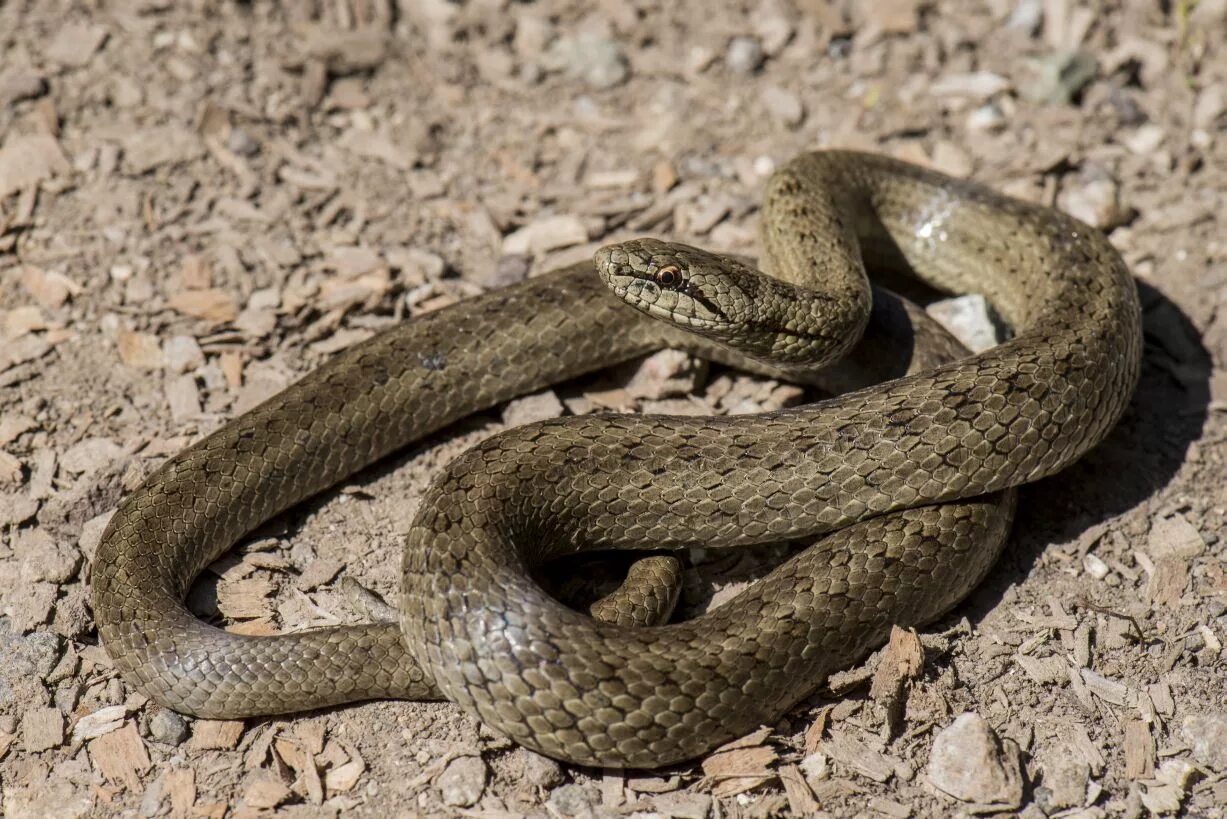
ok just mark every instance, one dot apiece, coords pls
pixel 905 478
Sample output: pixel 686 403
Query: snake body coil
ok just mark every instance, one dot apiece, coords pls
pixel 898 472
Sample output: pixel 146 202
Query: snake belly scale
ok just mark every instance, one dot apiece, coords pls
pixel 899 473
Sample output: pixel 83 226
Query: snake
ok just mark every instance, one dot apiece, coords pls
pixel 903 489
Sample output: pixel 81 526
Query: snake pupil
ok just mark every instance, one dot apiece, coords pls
pixel 667 276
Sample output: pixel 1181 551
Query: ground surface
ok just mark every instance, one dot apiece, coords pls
pixel 200 202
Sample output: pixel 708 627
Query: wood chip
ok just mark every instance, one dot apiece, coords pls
pixel 120 756
pixel 181 787
pixel 854 754
pixel 902 661
pixel 246 598
pixel 741 765
pixel 800 798
pixel 215 734
pixel 1139 750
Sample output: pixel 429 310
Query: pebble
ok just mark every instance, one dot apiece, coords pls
pixel 591 57
pixel 462 782
pixel 510 269
pixel 783 105
pixel 541 770
pixel 74 44
pixel 529 408
pixel 1096 202
pixel 182 354
pixel 1206 734
pixel 89 455
pixel 971 764
pixel 20 83
pixel 745 55
pixel 1145 140
pixel 1027 17
pixel 168 727
pixel 667 374
pixel 1061 77
pixel 574 800
pixel 969 319
pixel 987 117
pixel 546 234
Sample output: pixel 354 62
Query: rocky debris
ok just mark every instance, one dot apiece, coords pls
pixel 971 764
pixel 969 319
pixel 462 782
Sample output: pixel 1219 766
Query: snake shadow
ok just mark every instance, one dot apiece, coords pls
pixel 1138 459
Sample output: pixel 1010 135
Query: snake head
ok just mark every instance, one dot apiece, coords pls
pixel 680 284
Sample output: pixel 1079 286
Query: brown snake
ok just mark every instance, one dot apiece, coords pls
pixel 881 465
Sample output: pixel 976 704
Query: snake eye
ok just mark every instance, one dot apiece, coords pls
pixel 668 276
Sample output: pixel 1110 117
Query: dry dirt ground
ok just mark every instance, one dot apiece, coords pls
pixel 200 202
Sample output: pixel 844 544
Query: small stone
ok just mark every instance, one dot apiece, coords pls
pixel 783 105
pixel 1095 566
pixel 42 729
pixel 90 455
pixel 951 159
pixel 666 374
pixel 1095 201
pixel 462 782
pixel 1146 139
pixel 745 55
pixel 1206 734
pixel 530 408
pixel 1061 77
pixel 987 117
pixel 168 727
pixel 542 771
pixel 509 269
pixel 20 83
pixel 182 354
pixel 1207 111
pixel 417 266
pixel 574 800
pixel 545 234
pixel 774 30
pixel 976 85
pixel 28 160
pixel 970 764
pixel 318 572
pixel 969 319
pixel 592 57
pixel 1027 17
pixel 1174 537
pixel 74 44
pixel 183 398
